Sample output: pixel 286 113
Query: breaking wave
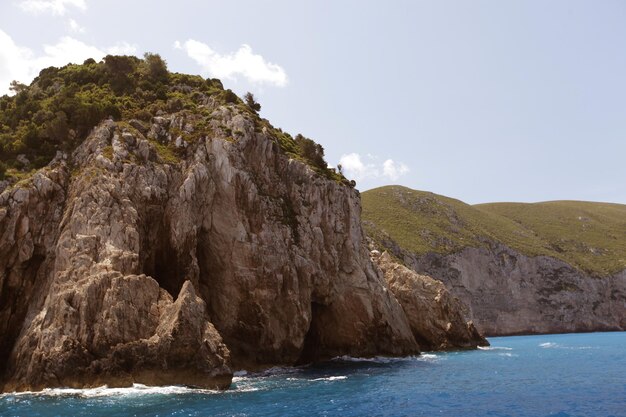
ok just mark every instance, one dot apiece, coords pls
pixel 105 391
pixel 550 345
pixel 331 378
pixel 494 348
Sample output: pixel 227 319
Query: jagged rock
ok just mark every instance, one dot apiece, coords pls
pixel 437 318
pixel 264 256
pixel 116 330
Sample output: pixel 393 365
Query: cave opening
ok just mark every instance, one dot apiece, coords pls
pixel 163 263
pixel 208 265
pixel 312 346
pixel 14 303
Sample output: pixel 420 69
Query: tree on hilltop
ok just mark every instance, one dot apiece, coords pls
pixel 251 102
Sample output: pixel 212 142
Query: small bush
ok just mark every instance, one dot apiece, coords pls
pixel 228 97
pixel 154 68
pixel 311 151
pixel 251 102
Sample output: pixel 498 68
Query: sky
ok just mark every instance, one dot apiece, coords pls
pixel 477 100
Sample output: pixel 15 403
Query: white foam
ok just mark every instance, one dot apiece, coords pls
pixel 331 378
pixel 375 359
pixel 427 356
pixel 244 389
pixel 550 345
pixel 494 348
pixel 240 373
pixel 105 391
pixel 507 354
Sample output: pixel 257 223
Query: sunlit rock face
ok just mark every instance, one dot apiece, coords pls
pixel 124 262
pixel 510 293
pixel 438 320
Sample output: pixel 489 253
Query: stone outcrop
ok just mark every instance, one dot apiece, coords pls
pixel 437 318
pixel 156 255
pixel 509 293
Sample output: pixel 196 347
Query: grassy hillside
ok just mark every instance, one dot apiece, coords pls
pixel 589 236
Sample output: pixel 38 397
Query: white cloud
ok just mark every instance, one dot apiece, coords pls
pixel 393 170
pixel 74 27
pixel 243 62
pixel 354 167
pixel 122 48
pixel 56 7
pixel 22 64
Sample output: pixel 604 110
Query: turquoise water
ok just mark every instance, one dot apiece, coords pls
pixel 549 375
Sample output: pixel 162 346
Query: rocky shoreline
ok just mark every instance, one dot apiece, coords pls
pixel 509 293
pixel 123 263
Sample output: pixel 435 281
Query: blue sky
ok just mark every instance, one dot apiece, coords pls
pixel 478 100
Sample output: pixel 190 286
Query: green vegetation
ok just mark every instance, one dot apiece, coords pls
pixel 62 105
pixel 251 102
pixel 166 154
pixel 589 236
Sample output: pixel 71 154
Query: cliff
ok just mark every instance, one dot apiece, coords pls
pixel 124 266
pixel 438 320
pixel 175 241
pixel 520 268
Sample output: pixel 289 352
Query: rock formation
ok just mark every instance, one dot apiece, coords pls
pixel 437 318
pixel 177 236
pixel 550 267
pixel 127 261
pixel 509 293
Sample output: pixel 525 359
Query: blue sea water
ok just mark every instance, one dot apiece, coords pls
pixel 548 375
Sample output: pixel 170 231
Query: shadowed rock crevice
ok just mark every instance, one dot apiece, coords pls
pixel 210 265
pixel 17 285
pixel 165 265
pixel 312 349
pixel 29 222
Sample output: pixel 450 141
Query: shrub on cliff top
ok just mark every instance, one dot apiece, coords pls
pixel 312 152
pixel 251 102
pixel 62 105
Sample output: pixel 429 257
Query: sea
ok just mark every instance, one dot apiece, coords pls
pixel 549 375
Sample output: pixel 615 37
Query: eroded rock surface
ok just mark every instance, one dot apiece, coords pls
pixel 510 293
pixel 437 318
pixel 128 261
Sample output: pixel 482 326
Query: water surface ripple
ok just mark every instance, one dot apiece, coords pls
pixel 549 375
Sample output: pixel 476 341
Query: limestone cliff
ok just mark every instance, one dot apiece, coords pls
pixel 437 319
pixel 155 229
pixel 510 293
pixel 146 256
pixel 520 268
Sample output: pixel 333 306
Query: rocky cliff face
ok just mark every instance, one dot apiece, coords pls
pixel 129 262
pixel 546 267
pixel 437 319
pixel 511 293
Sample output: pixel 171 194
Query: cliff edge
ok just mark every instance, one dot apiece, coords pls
pixel 177 246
